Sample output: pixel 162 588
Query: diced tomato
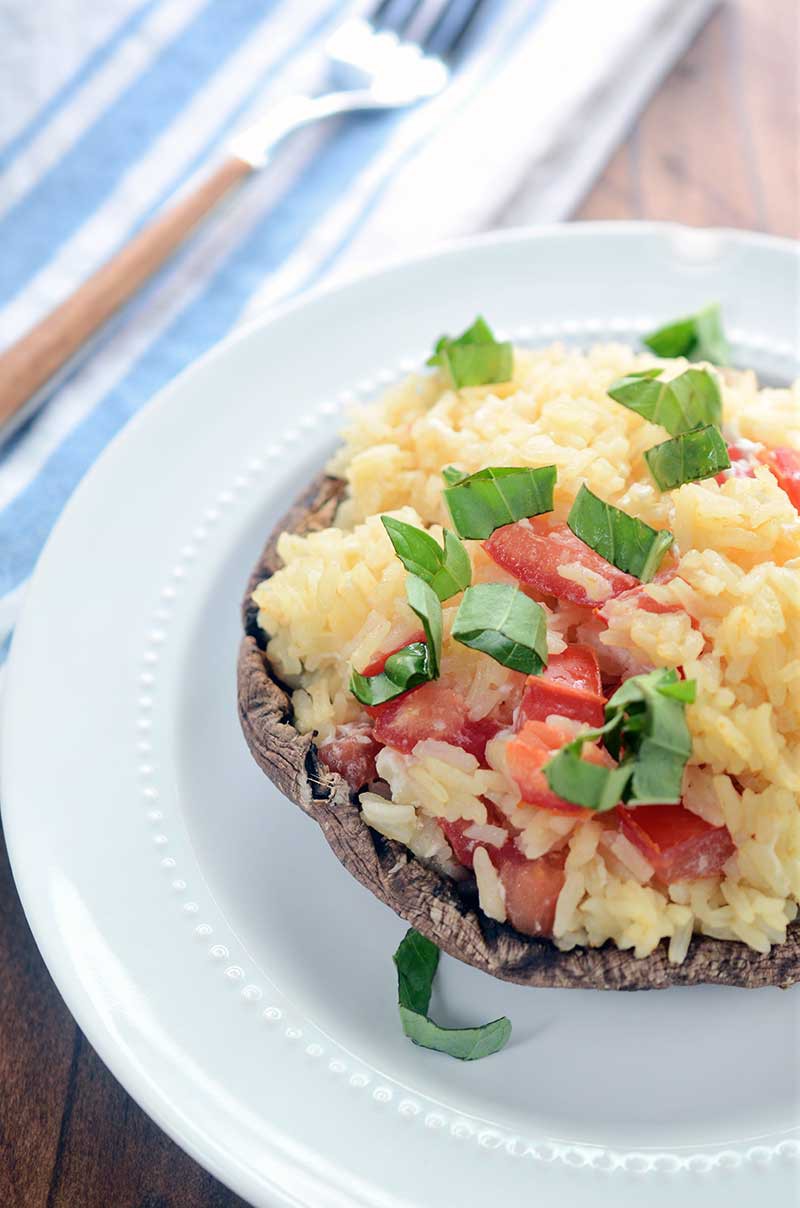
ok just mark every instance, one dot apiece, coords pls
pixel 532 888
pixel 431 711
pixel 464 846
pixel 569 686
pixel 680 845
pixel 526 755
pixel 351 752
pixel 577 667
pixel 641 599
pixel 532 552
pixel 742 465
pixel 379 662
pixel 785 465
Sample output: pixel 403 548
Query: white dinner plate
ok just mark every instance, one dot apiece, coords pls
pixel 228 970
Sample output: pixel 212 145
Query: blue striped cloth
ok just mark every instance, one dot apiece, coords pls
pixel 107 109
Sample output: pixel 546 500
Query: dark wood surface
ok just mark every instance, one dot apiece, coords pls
pixel 717 145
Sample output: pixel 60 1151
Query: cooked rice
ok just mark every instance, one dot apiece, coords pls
pixel 340 599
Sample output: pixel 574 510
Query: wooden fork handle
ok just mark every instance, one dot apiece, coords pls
pixel 38 355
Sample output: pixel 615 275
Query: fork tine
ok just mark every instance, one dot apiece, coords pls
pixel 447 37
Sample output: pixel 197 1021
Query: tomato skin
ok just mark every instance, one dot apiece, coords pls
pixel 532 551
pixel 680 845
pixel 577 667
pixel 379 662
pixel 568 687
pixel 785 465
pixel 532 888
pixel 351 752
pixel 526 755
pixel 431 711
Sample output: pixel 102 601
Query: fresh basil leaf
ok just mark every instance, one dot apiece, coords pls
pixel 587 784
pixel 466 1044
pixel 498 495
pixel 679 405
pixel 404 670
pixel 689 457
pixel 452 475
pixel 448 570
pixel 699 337
pixel 424 601
pixel 504 623
pixel 474 358
pixel 623 540
pixel 645 727
pixel 416 960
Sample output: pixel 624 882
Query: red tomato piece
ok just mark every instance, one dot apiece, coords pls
pixel 680 845
pixel 464 846
pixel 526 755
pixel 577 667
pixel 741 465
pixel 351 752
pixel 639 598
pixel 569 686
pixel 532 888
pixel 785 465
pixel 532 552
pixel 431 711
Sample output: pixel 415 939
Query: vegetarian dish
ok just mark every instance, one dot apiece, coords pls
pixel 529 653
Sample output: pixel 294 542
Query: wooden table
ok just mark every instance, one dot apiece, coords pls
pixel 718 145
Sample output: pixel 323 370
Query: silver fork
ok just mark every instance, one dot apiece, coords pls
pixel 402 54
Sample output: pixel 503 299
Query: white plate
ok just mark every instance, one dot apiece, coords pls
pixel 228 970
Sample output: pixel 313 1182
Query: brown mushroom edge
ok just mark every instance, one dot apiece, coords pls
pixel 445 910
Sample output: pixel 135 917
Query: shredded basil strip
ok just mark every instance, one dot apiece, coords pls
pixel 404 670
pixel 447 570
pixel 504 623
pixel 679 405
pixel 698 337
pixel 474 358
pixel 452 475
pixel 424 601
pixel 689 457
pixel 624 541
pixel 485 501
pixel 416 960
pixel 646 727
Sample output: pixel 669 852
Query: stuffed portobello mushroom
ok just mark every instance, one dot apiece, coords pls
pixel 529 654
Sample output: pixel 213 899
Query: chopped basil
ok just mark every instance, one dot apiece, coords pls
pixel 504 623
pixel 426 604
pixel 417 959
pixel 452 475
pixel 405 669
pixel 623 540
pixel 498 495
pixel 699 337
pixel 689 457
pixel 645 727
pixel 679 405
pixel 447 570
pixel 474 358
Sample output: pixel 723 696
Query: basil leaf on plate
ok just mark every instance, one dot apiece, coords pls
pixel 474 358
pixel 504 623
pixel 689 457
pixel 698 337
pixel 416 960
pixel 645 727
pixel 623 540
pixel 499 495
pixel 679 405
pixel 404 670
pixel 424 601
pixel 447 570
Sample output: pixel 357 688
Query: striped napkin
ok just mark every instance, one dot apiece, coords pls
pixel 108 109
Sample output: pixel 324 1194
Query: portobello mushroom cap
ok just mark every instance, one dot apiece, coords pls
pixel 445 910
